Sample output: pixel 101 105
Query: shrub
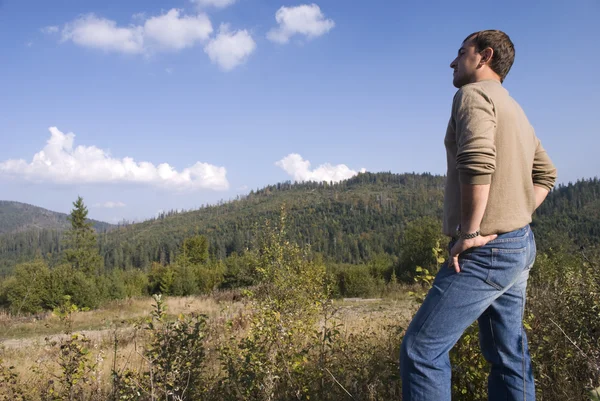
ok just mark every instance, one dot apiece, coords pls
pixel 271 361
pixel 27 292
pixel 174 356
pixel 564 315
pixel 209 277
pixel 357 281
pixel 160 279
pixel 77 377
pixel 184 280
pixel 239 271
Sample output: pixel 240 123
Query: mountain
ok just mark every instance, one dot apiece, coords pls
pixel 347 222
pixel 18 217
pixel 350 221
pixel 27 231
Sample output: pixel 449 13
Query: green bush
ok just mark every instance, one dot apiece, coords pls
pixel 564 315
pixel 419 240
pixel 160 279
pixel 357 281
pixel 271 361
pixel 239 271
pixel 184 280
pixel 210 276
pixel 56 285
pixel 136 283
pixel 85 291
pixel 174 356
pixel 27 292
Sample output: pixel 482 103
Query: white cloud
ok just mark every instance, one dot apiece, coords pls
pixel 110 204
pixel 59 162
pixel 140 17
pixel 169 70
pixel 230 49
pixel 213 3
pixel 307 20
pixel 171 31
pixel 29 44
pixel 104 34
pixel 299 169
pixel 49 29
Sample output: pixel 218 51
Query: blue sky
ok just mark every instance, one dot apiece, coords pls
pixel 238 94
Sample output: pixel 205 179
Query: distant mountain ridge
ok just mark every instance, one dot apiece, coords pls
pixel 18 216
pixel 349 222
pixel 346 222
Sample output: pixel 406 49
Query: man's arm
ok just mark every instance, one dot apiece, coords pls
pixel 540 195
pixel 543 174
pixel 475 117
pixel 473 203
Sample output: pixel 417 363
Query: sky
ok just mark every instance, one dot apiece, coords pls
pixel 142 106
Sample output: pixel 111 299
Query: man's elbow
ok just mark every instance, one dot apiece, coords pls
pixel 546 179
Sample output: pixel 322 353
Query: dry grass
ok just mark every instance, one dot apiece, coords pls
pixel 26 339
pixel 116 314
pixel 357 316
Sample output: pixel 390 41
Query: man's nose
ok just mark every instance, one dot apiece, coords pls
pixel 453 64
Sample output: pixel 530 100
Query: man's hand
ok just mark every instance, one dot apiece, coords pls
pixel 464 244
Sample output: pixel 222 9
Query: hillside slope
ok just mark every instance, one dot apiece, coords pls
pixel 350 221
pixel 17 216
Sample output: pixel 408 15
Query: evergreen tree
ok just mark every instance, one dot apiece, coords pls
pixel 194 251
pixel 82 247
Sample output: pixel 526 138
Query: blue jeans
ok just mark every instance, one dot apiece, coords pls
pixel 491 289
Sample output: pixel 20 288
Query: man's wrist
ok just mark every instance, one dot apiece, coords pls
pixel 463 234
pixel 474 234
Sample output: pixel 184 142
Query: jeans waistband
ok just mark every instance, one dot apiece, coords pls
pixel 511 236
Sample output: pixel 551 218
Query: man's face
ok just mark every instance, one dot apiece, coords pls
pixel 465 65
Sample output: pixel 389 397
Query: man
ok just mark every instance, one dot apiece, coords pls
pixel 498 174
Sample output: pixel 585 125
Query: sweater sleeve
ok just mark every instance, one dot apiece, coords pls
pixel 543 172
pixel 475 119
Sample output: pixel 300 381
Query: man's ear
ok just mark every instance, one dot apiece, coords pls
pixel 486 56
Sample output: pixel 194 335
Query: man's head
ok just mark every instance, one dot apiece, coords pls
pixel 483 55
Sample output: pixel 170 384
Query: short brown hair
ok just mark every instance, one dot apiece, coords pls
pixel 504 50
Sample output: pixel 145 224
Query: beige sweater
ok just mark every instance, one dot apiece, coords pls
pixel 490 141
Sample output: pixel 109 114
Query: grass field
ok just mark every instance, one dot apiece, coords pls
pixel 117 338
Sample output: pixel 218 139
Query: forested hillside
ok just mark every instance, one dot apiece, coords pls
pixel 346 222
pixel 571 211
pixel 17 216
pixel 27 231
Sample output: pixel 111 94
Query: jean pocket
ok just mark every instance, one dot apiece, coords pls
pixel 507 265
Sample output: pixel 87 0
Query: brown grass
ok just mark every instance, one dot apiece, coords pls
pixel 26 339
pixel 116 314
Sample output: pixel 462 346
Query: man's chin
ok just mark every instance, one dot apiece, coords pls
pixel 458 83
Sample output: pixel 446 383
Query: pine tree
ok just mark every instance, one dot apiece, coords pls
pixel 82 247
pixel 194 251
